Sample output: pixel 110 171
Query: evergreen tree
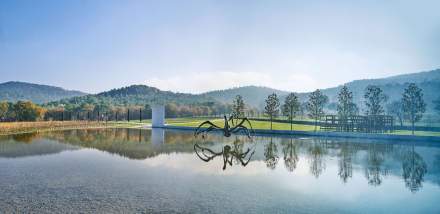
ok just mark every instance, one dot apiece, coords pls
pixel 374 99
pixel 315 105
pixel 291 107
pixel 272 107
pixel 413 104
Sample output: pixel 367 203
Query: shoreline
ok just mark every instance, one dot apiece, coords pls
pixel 330 134
pixel 46 126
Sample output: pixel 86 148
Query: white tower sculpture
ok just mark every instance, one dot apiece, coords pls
pixel 158 116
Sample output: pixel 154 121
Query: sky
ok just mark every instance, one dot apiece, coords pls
pixel 197 46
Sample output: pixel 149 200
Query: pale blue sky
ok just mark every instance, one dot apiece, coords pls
pixel 195 46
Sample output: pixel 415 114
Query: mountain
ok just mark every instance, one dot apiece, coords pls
pixel 136 95
pixel 15 91
pixel 252 95
pixel 393 86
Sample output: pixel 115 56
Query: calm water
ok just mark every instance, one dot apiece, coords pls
pixel 129 170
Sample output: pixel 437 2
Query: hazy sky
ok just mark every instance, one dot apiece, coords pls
pixel 195 46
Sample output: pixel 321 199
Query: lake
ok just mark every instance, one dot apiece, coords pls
pixel 153 171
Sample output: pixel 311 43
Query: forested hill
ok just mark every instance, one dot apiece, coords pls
pixel 15 91
pixel 136 95
pixel 252 95
pixel 392 86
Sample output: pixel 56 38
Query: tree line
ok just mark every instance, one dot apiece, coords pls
pixel 410 107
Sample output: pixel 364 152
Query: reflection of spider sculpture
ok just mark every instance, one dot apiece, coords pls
pixel 227 129
pixel 228 155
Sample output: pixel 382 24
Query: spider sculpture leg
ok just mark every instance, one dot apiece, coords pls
pixel 205 156
pixel 242 128
pixel 231 119
pixel 212 126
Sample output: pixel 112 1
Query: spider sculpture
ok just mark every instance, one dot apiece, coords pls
pixel 227 129
pixel 228 154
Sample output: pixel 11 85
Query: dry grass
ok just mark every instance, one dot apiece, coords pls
pixel 25 127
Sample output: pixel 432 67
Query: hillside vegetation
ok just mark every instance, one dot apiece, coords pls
pixel 16 91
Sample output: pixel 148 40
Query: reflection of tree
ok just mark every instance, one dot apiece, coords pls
pixel 25 137
pixel 436 169
pixel 237 147
pixel 374 170
pixel 345 162
pixel 414 168
pixel 290 152
pixel 316 158
pixel 271 154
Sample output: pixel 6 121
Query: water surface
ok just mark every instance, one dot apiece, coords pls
pixel 131 170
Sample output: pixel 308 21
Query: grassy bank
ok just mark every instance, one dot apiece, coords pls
pixel 26 127
pixel 194 122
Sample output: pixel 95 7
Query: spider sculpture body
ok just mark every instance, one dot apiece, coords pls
pixel 227 129
pixel 227 152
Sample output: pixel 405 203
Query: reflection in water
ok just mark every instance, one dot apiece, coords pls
pixel 375 161
pixel 271 154
pixel 229 154
pixel 157 136
pixel 414 168
pixel 316 157
pixel 290 155
pixel 345 163
pixel 374 170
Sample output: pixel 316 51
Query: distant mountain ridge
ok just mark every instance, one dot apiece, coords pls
pixel 393 86
pixel 138 95
pixel 14 91
pixel 254 96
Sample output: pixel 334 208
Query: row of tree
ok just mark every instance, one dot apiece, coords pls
pixel 410 107
pixel 28 111
pixel 21 111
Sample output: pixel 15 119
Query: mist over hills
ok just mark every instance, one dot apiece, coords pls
pixel 254 96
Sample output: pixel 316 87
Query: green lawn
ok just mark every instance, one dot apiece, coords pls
pixel 194 122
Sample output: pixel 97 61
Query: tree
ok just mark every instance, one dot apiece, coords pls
pixel 28 111
pixel 315 105
pixel 437 105
pixel 346 107
pixel 374 99
pixel 272 107
pixel 396 108
pixel 291 107
pixel 238 107
pixel 4 109
pixel 413 104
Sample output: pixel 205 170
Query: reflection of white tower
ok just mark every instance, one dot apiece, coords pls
pixel 157 136
pixel 158 116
